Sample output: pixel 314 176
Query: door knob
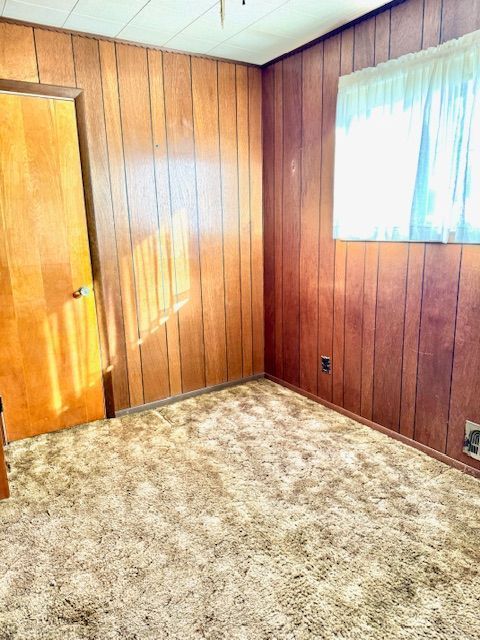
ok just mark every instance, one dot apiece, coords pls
pixel 83 291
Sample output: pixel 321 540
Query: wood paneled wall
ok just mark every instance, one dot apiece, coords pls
pixel 175 164
pixel 401 322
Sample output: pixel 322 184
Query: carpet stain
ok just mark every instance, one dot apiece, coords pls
pixel 251 513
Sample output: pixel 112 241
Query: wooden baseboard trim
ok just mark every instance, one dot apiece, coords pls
pixel 185 396
pixel 442 457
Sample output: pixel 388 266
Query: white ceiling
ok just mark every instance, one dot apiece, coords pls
pixel 255 32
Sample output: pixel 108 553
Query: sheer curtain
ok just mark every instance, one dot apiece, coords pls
pixel 407 151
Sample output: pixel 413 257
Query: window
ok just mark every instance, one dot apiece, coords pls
pixel 407 158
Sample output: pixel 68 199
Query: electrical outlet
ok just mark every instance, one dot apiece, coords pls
pixel 326 364
pixel 471 445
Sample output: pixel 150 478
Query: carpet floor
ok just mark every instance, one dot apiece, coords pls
pixel 249 513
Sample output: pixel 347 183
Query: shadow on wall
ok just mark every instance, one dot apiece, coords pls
pixel 161 287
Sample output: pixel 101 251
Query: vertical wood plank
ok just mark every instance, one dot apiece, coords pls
pixel 255 138
pixel 113 126
pixel 413 305
pixel 94 148
pixel 167 250
pixel 339 323
pixel 292 172
pixel 373 46
pixel 331 71
pixel 432 21
pixel 309 222
pixel 179 119
pixel 207 162
pixel 354 257
pixel 382 37
pixel 406 31
pixel 369 326
pixel 231 222
pixel 55 57
pixel 465 399
pixel 18 60
pixel 268 117
pixel 363 56
pixel 364 51
pixel 406 28
pixel 278 217
pixel 416 262
pixel 437 334
pixel 459 18
pixel 338 350
pixel 245 221
pixel 140 178
pixel 354 283
pixel 392 273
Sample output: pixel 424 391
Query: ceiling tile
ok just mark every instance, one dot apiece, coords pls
pixel 111 10
pixel 170 14
pixel 205 29
pixel 226 50
pixel 191 6
pixel 256 40
pixel 288 23
pixel 34 13
pixel 331 9
pixel 211 23
pixel 93 25
pixel 237 18
pixel 153 16
pixel 156 37
pixel 58 5
pixel 183 42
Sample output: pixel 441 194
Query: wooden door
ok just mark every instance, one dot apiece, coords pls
pixel 50 371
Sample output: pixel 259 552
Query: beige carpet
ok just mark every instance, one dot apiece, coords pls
pixel 251 513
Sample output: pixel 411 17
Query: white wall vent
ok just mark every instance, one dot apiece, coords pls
pixel 471 446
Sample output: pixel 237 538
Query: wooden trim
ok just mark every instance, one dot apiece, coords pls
pixel 189 394
pixel 4 488
pixel 334 32
pixel 142 45
pixel 72 93
pixel 441 457
pixel 94 253
pixel 41 90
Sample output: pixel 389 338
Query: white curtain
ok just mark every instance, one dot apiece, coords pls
pixel 407 150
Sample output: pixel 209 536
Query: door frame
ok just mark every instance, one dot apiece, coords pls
pixel 77 96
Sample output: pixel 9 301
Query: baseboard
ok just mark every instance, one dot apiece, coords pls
pixel 185 396
pixel 433 453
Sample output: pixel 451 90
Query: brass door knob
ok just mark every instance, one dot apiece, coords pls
pixel 83 291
